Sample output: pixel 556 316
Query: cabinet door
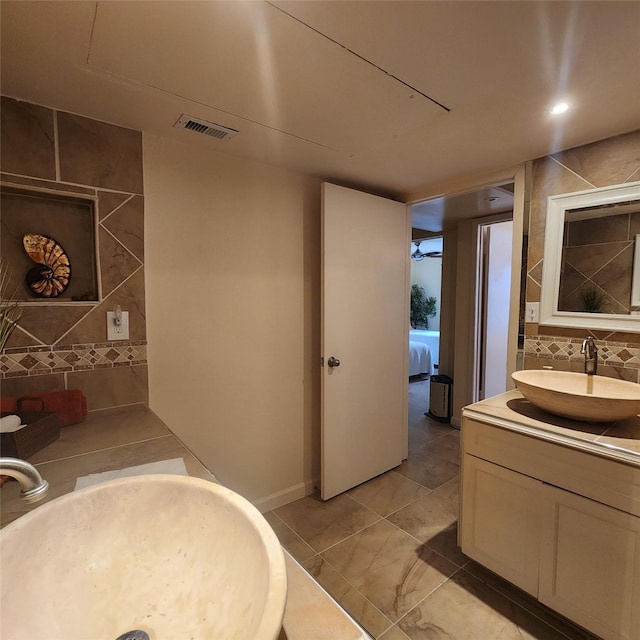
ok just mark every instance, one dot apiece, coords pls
pixel 500 521
pixel 590 565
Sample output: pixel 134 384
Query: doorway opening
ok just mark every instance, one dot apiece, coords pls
pixel 426 293
pixel 455 218
pixel 424 319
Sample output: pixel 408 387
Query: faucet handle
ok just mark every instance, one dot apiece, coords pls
pixel 590 352
pixel 33 487
pixel 589 343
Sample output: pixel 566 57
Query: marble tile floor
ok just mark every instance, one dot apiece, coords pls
pixel 387 551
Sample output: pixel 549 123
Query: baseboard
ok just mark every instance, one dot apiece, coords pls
pixel 285 496
pixel 123 406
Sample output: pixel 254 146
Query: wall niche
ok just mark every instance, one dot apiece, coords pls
pixel 70 221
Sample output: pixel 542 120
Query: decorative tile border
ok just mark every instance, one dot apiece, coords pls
pixel 34 361
pixel 614 354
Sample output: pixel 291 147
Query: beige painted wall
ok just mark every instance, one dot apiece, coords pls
pixel 232 297
pixel 463 352
pixel 428 274
pixel 448 302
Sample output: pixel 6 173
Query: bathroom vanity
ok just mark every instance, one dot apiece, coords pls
pixel 553 506
pixel 129 436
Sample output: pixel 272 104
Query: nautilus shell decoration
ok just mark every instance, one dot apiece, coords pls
pixel 53 273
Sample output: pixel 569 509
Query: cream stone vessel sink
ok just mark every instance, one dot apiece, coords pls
pixel 172 556
pixel 578 395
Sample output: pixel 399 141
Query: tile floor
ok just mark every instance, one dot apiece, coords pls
pixel 387 551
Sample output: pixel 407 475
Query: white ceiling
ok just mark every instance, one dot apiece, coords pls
pixel 386 96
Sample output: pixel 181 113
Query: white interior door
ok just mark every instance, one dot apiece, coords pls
pixel 365 321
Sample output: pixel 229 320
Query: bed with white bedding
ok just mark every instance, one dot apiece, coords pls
pixel 432 340
pixel 419 359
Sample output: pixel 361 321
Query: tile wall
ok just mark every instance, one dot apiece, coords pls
pixel 607 162
pixel 62 345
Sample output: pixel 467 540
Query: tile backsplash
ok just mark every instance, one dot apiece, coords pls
pixel 60 345
pixel 615 359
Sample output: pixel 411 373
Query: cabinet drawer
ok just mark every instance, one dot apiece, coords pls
pixel 607 481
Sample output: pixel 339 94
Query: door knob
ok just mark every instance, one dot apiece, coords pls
pixel 333 362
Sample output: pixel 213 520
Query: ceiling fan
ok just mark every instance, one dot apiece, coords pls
pixel 419 255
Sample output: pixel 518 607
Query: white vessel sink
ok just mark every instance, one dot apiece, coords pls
pixel 172 556
pixel 579 396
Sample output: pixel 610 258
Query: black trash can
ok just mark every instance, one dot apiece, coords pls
pixel 440 398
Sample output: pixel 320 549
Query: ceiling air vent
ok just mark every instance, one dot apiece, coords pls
pixel 207 128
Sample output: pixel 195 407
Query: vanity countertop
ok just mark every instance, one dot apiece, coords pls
pixel 614 440
pixel 117 438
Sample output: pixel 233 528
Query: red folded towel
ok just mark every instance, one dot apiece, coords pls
pixel 69 405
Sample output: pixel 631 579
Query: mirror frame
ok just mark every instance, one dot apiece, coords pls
pixel 552 258
pixel 635 278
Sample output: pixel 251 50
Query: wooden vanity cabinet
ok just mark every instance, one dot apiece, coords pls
pixel 536 513
pixel 590 564
pixel 500 521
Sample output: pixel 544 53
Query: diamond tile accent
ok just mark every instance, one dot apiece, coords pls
pixel 73 357
pixel 28 362
pixel 112 355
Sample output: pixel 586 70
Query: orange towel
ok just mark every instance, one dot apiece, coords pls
pixel 69 405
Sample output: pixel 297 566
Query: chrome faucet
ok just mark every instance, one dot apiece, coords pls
pixel 34 488
pixel 590 356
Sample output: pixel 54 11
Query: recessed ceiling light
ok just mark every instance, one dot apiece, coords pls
pixel 559 108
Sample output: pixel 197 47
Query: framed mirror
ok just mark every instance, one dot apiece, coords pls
pixel 591 259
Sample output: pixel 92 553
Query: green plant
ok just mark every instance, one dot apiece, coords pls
pixel 592 300
pixel 10 310
pixel 422 308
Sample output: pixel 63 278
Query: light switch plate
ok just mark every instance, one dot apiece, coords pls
pixel 532 312
pixel 119 332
